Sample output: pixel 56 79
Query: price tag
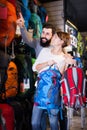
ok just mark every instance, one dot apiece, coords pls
pixel 26 82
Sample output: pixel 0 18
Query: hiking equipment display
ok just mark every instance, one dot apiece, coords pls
pixel 47 94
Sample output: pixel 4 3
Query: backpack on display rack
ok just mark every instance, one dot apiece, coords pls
pixel 7 119
pixel 8 77
pixel 41 11
pixel 35 24
pixel 8 19
pixel 25 75
pixel 25 11
pixel 43 14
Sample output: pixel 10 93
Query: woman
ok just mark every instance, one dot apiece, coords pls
pixel 46 58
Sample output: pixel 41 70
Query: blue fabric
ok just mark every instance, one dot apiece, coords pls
pixel 47 94
pixel 42 13
pixel 26 12
pixel 25 2
pixel 26 15
pixel 79 62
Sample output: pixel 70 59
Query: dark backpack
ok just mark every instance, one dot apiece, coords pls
pixel 23 61
pixel 48 89
pixel 43 14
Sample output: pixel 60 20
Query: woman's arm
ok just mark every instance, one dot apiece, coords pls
pixel 44 64
pixel 43 60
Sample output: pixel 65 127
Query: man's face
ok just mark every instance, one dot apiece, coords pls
pixel 46 37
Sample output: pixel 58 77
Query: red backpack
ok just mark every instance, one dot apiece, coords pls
pixel 73 87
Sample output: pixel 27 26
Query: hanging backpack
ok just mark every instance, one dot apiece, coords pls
pixel 35 24
pixel 8 19
pixel 41 11
pixel 73 86
pixel 25 11
pixel 23 61
pixel 8 77
pixel 43 14
pixel 47 95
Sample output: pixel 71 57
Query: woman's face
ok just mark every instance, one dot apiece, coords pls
pixel 56 41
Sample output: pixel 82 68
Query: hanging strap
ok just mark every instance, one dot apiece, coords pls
pixel 13 54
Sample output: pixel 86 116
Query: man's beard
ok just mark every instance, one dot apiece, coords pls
pixel 45 44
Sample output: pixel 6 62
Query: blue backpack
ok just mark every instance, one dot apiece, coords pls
pixel 43 14
pixel 47 94
pixel 26 12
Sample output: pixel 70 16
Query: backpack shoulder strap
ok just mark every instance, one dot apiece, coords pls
pixel 68 75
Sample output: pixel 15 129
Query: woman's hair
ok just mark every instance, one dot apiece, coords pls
pixel 65 37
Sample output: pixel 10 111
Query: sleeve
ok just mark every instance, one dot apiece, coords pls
pixel 29 41
pixel 40 59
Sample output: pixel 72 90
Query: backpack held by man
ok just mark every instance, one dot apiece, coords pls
pixel 47 94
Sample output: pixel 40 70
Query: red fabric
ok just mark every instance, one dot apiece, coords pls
pixel 75 92
pixel 13 2
pixel 3 12
pixel 8 114
pixel 65 97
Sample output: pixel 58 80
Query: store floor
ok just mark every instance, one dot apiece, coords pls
pixel 76 122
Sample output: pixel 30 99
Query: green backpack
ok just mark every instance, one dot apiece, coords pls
pixel 36 24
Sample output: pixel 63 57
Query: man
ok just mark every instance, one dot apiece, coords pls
pixel 47 32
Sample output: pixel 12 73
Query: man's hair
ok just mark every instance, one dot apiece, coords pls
pixel 50 26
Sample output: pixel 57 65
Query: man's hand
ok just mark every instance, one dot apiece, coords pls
pixel 20 21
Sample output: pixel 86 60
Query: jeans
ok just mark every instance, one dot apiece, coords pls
pixel 37 115
pixel 43 121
